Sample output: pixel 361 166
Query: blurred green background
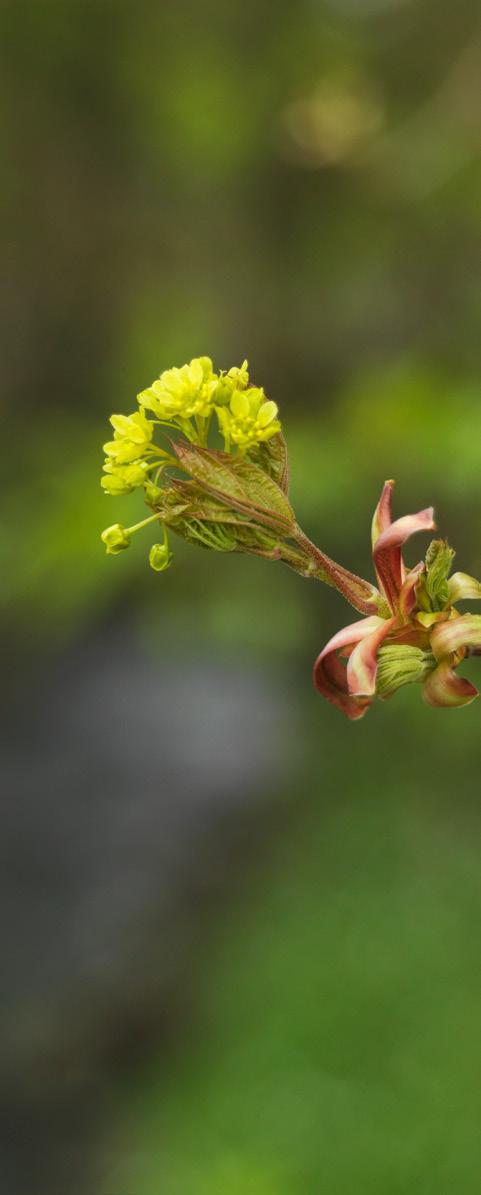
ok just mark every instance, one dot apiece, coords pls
pixel 242 938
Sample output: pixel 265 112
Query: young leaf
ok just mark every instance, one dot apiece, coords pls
pixel 239 484
pixel 271 456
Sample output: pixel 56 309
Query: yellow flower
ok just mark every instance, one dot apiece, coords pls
pixel 132 436
pixel 181 392
pixel 248 419
pixel 240 375
pixel 123 479
pixel 222 387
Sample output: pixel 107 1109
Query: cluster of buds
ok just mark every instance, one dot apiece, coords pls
pixel 235 499
pixel 413 632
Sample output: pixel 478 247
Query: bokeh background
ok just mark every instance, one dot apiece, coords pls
pixel 241 944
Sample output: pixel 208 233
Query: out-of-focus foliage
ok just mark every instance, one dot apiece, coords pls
pixel 299 184
pixel 337 1043
pixel 303 188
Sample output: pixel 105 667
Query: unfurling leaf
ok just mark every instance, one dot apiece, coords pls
pixel 271 456
pixel 239 484
pixel 439 559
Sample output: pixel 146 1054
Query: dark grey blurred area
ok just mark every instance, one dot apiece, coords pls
pixel 132 789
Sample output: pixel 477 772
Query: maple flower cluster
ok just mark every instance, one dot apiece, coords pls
pixel 235 499
pixel 185 400
pixel 180 400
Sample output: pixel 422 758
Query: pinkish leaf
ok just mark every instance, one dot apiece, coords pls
pixel 462 588
pixel 444 689
pixel 362 664
pixel 407 596
pixel 382 515
pixel 330 675
pixel 458 634
pixel 387 550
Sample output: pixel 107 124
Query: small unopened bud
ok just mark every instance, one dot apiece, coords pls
pixel 222 391
pixel 439 559
pixel 401 664
pixel 115 538
pixel 160 557
pixel 153 493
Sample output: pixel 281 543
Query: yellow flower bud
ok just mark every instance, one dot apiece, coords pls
pixel 160 557
pixel 153 493
pixel 115 538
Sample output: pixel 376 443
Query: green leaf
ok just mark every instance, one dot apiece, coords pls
pixel 200 504
pixel 239 484
pixel 271 456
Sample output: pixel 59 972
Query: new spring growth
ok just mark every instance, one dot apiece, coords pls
pixel 419 636
pixel 190 402
pixel 160 555
pixel 207 450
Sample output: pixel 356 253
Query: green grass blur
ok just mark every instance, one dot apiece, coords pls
pixel 298 184
pixel 336 1045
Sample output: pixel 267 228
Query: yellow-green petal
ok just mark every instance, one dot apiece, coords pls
pixel 239 405
pixel 267 412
